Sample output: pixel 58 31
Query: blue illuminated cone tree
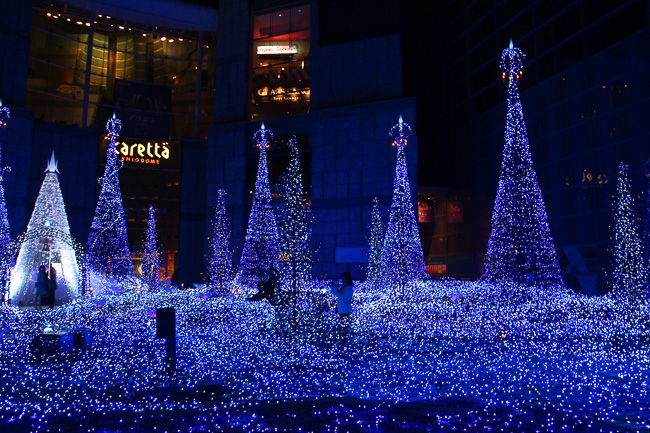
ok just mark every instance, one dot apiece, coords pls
pixel 107 250
pixel 294 224
pixel 5 236
pixel 402 259
pixel 221 258
pixel 520 246
pixel 376 241
pixel 629 266
pixel 646 234
pixel 261 246
pixel 151 257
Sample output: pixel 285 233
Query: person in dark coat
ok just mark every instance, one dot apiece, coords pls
pixel 40 288
pixel 51 287
pixel 266 287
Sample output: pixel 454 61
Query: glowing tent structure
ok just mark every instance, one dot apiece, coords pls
pixel 46 241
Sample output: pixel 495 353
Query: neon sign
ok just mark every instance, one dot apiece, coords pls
pixel 293 94
pixel 151 153
pixel 277 49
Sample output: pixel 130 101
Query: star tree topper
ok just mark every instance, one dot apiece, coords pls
pixel 512 62
pixel 263 138
pixel 400 133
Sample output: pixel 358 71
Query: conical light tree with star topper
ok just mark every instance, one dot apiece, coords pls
pixel 107 251
pixel 221 258
pixel 261 246
pixel 151 257
pixel 294 225
pixel 629 265
pixel 47 241
pixel 5 236
pixel 520 246
pixel 402 260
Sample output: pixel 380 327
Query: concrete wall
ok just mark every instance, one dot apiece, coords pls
pixel 195 215
pixel 356 72
pixel 15 28
pixel 352 162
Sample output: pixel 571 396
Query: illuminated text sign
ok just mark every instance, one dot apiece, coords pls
pixel 292 94
pixel 277 49
pixel 150 153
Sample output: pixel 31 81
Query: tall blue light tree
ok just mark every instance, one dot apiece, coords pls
pixel 261 246
pixel 220 268
pixel 294 224
pixel 107 250
pixel 5 236
pixel 629 265
pixel 520 246
pixel 646 234
pixel 151 257
pixel 402 258
pixel 376 241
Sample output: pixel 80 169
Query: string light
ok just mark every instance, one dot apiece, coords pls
pixel 151 258
pixel 48 218
pixel 629 274
pixel 402 260
pixel 5 236
pixel 504 364
pixel 376 244
pixel 520 247
pixel 107 251
pixel 293 216
pixel 261 246
pixel 220 271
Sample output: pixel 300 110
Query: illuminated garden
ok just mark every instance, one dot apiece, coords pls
pixel 514 351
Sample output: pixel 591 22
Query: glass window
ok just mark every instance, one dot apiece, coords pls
pixel 280 61
pixel 139 72
pixel 160 82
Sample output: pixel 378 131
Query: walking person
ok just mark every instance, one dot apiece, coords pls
pixel 266 287
pixel 51 287
pixel 344 305
pixel 40 288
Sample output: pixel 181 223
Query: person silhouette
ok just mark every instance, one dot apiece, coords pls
pixel 51 287
pixel 40 288
pixel 344 295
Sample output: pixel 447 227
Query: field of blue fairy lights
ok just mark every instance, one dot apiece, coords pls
pixel 449 356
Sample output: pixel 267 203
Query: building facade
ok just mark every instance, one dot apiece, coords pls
pixel 585 97
pixel 193 80
pixel 191 83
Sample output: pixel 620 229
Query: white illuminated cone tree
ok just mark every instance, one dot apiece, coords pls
pixel 47 240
